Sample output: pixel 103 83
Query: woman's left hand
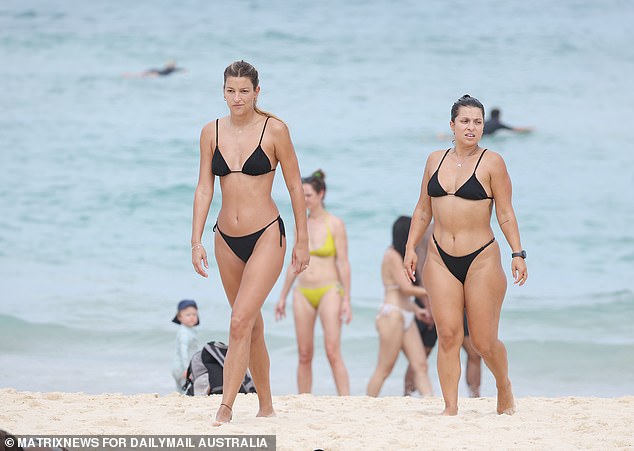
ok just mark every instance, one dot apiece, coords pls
pixel 346 311
pixel 300 258
pixel 519 271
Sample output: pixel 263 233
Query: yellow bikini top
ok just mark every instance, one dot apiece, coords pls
pixel 328 249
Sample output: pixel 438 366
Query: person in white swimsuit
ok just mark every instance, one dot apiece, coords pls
pixel 395 319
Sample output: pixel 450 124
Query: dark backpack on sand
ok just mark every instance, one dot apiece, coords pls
pixel 204 374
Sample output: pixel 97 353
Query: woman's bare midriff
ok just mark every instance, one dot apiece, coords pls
pixel 320 272
pixel 247 205
pixel 461 225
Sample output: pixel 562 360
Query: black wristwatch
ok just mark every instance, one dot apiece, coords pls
pixel 519 254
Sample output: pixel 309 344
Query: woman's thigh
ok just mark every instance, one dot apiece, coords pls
pixel 484 293
pixel 413 346
pixel 390 328
pixel 260 273
pixel 304 315
pixel 230 268
pixel 446 295
pixel 330 315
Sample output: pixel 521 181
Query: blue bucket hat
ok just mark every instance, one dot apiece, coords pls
pixel 183 305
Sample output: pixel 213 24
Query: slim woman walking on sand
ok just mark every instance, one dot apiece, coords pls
pixel 243 149
pixel 395 320
pixel 463 269
pixel 322 291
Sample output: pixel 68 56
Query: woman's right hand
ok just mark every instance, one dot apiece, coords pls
pixel 280 309
pixel 409 264
pixel 424 315
pixel 199 258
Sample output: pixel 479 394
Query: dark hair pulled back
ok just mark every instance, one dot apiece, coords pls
pixel 400 231
pixel 468 101
pixel 317 180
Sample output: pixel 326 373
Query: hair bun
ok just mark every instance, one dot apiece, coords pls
pixel 466 96
pixel 319 174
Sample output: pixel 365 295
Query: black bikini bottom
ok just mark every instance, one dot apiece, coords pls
pixel 459 266
pixel 243 246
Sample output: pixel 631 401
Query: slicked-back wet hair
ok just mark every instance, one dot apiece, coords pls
pixel 243 69
pixel 465 100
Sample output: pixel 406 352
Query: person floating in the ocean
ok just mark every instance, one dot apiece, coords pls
pixel 169 68
pixel 494 124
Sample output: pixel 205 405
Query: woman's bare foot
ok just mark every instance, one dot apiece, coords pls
pixel 266 412
pixel 223 415
pixel 450 411
pixel 506 402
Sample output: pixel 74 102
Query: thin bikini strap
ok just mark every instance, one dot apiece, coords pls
pixel 280 223
pixel 216 133
pixel 443 159
pixel 264 128
pixel 481 155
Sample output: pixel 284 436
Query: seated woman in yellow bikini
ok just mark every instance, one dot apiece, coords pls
pixel 322 290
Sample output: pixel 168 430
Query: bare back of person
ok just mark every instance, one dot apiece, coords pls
pixel 391 268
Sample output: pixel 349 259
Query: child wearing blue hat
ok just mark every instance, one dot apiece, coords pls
pixel 186 341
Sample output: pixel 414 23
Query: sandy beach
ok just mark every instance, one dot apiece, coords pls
pixel 307 422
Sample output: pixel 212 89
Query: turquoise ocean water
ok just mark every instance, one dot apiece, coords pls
pixel 97 174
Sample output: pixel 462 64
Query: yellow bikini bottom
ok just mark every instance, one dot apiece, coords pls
pixel 314 295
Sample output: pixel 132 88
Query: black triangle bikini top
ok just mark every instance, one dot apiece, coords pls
pixel 472 189
pixel 258 162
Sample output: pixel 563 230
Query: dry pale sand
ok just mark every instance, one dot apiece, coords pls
pixel 306 422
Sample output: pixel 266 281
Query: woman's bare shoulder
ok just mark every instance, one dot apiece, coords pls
pixel 209 127
pixel 208 134
pixel 436 155
pixel 392 256
pixel 492 155
pixel 277 125
pixel 335 221
pixel 493 159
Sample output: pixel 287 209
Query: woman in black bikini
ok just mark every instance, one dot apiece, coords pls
pixel 243 150
pixel 463 269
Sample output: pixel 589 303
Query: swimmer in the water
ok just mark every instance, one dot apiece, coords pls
pixel 494 124
pixel 169 68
